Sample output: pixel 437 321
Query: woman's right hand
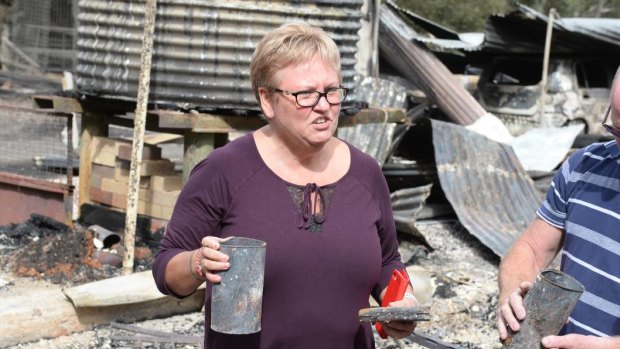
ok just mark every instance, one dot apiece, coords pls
pixel 212 260
pixel 511 311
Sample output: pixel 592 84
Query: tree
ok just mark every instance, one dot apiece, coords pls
pixel 458 15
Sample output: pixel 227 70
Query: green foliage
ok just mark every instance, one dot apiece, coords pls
pixel 458 15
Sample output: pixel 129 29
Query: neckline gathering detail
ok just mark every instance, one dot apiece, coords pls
pixel 312 202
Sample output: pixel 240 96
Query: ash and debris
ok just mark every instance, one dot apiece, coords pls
pixel 463 304
pixel 465 298
pixel 45 249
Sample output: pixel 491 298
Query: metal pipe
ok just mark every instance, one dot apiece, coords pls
pixel 374 54
pixel 543 81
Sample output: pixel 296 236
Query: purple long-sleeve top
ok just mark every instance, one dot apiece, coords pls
pixel 319 271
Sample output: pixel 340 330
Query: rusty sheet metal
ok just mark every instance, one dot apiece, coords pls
pixel 202 49
pixel 21 196
pixel 490 192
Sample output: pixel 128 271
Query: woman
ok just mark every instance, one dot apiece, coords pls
pixel 322 206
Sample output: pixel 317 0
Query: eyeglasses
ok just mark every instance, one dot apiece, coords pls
pixel 614 131
pixel 334 96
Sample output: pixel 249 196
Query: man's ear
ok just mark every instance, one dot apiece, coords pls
pixel 265 102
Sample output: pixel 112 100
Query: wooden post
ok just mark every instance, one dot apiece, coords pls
pixel 138 135
pixel 68 199
pixel 197 146
pixel 599 8
pixel 93 125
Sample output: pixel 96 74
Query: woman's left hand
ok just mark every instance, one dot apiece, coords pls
pixel 400 329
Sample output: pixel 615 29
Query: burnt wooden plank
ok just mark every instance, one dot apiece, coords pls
pixel 207 123
pixel 386 314
pixel 374 115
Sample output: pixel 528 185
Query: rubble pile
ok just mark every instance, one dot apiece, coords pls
pixel 46 249
pixel 462 270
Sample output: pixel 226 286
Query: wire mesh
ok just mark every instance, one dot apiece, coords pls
pixel 44 31
pixel 36 144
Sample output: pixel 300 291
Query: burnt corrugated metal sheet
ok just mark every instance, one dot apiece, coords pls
pixel 406 203
pixel 440 36
pixel 374 139
pixel 382 93
pixel 524 30
pixel 421 66
pixel 490 192
pixel 201 50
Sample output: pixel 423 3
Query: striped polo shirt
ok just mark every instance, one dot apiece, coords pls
pixel 584 201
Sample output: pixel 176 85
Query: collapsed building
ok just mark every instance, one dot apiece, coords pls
pixel 447 149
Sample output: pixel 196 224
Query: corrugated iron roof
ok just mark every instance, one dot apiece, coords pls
pixel 202 49
pixel 492 195
pixel 375 139
pixel 524 30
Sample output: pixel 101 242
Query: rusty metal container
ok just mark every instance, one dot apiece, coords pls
pixel 201 50
pixel 548 305
pixel 237 301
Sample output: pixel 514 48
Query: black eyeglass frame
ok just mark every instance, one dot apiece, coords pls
pixel 321 95
pixel 614 131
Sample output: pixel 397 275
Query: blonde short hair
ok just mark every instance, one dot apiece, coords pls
pixel 291 43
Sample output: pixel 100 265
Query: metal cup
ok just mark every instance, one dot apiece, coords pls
pixel 236 302
pixel 548 305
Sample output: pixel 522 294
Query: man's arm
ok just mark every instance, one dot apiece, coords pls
pixel 532 252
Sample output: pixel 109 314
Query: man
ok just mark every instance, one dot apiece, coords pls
pixel 581 218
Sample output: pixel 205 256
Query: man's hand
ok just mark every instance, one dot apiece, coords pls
pixel 511 311
pixel 578 341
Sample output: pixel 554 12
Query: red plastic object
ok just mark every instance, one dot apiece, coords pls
pixel 395 292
